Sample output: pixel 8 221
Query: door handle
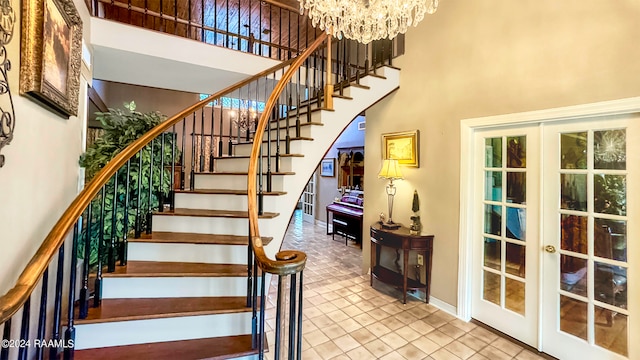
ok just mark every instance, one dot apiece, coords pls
pixel 550 249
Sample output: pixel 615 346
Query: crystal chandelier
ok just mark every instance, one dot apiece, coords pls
pixel 367 20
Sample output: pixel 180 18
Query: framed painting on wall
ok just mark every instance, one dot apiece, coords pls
pixel 327 167
pixel 51 53
pixel 402 146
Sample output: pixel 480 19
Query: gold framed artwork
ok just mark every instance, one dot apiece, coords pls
pixel 51 54
pixel 402 146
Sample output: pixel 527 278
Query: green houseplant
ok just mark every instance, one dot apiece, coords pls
pixel 131 195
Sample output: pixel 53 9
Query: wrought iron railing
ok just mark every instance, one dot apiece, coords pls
pixel 265 28
pixel 283 97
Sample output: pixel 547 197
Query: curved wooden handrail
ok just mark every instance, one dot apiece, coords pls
pixel 13 300
pixel 290 261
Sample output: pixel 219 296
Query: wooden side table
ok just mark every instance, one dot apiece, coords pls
pixel 400 239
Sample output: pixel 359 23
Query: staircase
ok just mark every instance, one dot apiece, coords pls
pixel 183 292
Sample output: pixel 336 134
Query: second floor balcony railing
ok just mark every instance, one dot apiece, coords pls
pixel 261 27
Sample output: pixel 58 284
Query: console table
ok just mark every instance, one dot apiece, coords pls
pixel 400 239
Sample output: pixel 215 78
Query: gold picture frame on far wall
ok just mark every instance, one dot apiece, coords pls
pixel 402 146
pixel 51 54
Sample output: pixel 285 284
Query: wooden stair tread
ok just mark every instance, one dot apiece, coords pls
pixel 176 269
pixel 192 238
pixel 214 213
pixel 218 348
pixel 226 192
pixel 111 310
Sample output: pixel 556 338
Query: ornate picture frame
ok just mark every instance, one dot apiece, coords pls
pixel 51 54
pixel 402 146
pixel 327 167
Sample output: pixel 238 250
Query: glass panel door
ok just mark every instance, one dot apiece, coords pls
pixel 587 266
pixel 505 290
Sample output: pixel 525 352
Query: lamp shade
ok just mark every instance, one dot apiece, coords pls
pixel 390 170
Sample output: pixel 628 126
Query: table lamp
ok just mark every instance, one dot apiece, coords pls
pixel 390 170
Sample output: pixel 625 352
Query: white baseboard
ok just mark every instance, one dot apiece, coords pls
pixel 446 307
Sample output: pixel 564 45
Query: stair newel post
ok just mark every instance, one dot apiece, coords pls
pixel 6 335
pixel 57 301
pixel 150 195
pixel 111 256
pixel 292 317
pixel 192 173
pixel 138 229
pixel 300 302
pixel 182 153
pixel 24 328
pixel 161 170
pixel 201 158
pixel 279 325
pixel 98 282
pixel 125 230
pixel 42 315
pixel 261 334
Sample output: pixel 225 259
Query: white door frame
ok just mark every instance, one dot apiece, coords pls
pixel 467 129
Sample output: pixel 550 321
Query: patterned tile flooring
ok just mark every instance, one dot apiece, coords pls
pixel 345 318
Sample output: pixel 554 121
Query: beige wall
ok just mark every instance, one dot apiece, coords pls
pixel 168 102
pixel 480 58
pixel 40 177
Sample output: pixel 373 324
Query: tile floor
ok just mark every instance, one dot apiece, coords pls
pixel 345 318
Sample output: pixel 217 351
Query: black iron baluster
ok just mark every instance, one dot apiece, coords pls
pixel 357 63
pixel 211 142
pixel 366 59
pixel 24 329
pixel 322 78
pixel 182 153
pixel 70 333
pixel 84 292
pixel 162 27
pixel 192 177
pixel 289 34
pixel 202 33
pixel 144 18
pixel 249 269
pixel 280 33
pixel 215 22
pixel 278 109
pixel 279 305
pixel 111 254
pixel 252 39
pixel 220 129
pixel 260 28
pixel 189 8
pixel 239 47
pixel 6 335
pixel 57 303
pixel 298 37
pixel 175 17
pixel 262 302
pixel 125 231
pixel 138 229
pixel 273 115
pixel 227 29
pixel 300 302
pixel 162 169
pixel 308 88
pixel 287 138
pixel 270 30
pixel 298 72
pixel 254 302
pixel 292 316
pixel 42 315
pixel 230 143
pixel 150 198
pixel 201 158
pixel 97 291
pixel 172 186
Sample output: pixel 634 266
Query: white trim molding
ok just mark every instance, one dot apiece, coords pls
pixel 467 129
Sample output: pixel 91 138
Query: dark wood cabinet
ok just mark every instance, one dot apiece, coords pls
pixel 401 240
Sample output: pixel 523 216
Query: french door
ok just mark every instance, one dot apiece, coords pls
pixel 592 242
pixel 309 200
pixel 506 240
pixel 556 239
